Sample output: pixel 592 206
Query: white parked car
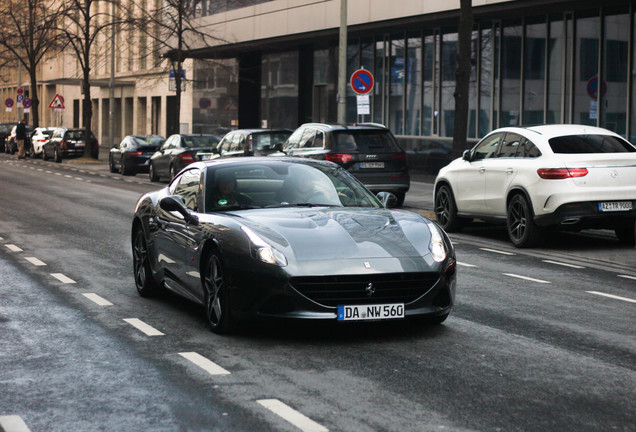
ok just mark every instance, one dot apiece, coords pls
pixel 40 137
pixel 539 178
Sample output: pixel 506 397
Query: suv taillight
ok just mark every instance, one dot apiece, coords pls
pixel 63 144
pixel 561 173
pixel 339 157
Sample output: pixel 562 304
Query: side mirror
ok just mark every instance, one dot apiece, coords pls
pixel 175 203
pixel 387 199
pixel 466 155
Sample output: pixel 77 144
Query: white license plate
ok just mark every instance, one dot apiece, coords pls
pixel 371 312
pixel 615 206
pixel 371 164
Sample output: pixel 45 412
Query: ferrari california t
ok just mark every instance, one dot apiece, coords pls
pixel 289 238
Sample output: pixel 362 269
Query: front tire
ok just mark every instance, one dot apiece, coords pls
pixel 522 230
pixel 217 304
pixel 144 281
pixel 111 165
pixel 152 174
pixel 446 210
pixel 57 156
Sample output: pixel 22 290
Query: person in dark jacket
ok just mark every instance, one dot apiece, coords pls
pixel 20 136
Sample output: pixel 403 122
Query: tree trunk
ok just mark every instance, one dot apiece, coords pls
pixel 462 78
pixel 87 114
pixel 35 102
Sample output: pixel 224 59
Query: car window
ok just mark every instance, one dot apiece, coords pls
pixel 366 141
pixel 266 141
pixel 308 138
pixel 187 187
pixel 509 145
pixel 225 142
pixel 528 150
pixel 236 143
pixel 581 144
pixel 319 140
pixel 486 148
pixel 294 139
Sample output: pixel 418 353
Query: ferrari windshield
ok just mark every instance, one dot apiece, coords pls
pixel 283 184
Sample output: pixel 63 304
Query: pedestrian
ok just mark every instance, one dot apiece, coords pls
pixel 20 136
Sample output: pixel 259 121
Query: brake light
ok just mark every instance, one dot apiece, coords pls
pixel 561 173
pixel 137 153
pixel 186 157
pixel 339 157
pixel 398 156
pixel 63 144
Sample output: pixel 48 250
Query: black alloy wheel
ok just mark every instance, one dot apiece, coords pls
pixel 152 174
pixel 173 172
pixel 111 164
pixel 57 156
pixel 522 230
pixel 400 198
pixel 217 307
pixel 144 281
pixel 446 210
pixel 44 155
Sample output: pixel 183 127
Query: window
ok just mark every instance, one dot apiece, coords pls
pixel 486 148
pixel 528 150
pixel 509 146
pixel 188 187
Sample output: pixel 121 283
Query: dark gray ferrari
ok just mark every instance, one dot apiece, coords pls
pixel 289 238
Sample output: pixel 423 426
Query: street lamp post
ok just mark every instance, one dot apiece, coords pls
pixel 342 65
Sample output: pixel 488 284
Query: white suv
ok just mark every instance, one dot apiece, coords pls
pixel 554 176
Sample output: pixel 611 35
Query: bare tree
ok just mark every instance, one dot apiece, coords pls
pixel 83 21
pixel 28 34
pixel 176 35
pixel 462 78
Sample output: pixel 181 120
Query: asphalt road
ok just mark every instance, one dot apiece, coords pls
pixel 539 340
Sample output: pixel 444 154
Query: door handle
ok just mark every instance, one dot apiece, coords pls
pixel 510 171
pixel 482 169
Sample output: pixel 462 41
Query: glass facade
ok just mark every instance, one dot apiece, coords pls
pixel 561 67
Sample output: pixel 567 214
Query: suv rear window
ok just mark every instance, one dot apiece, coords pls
pixel 365 141
pixel 580 144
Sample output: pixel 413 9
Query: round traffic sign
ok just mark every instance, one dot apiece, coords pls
pixel 8 102
pixel 26 102
pixel 20 91
pixel 362 81
pixel 592 88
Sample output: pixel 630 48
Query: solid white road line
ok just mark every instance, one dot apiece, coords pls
pixel 35 261
pixel 627 277
pixel 13 248
pixel 143 327
pixel 497 251
pixel 62 278
pixel 204 363
pixel 612 296
pixel 97 299
pixel 465 265
pixel 563 264
pixel 527 278
pixel 13 423
pixel 299 420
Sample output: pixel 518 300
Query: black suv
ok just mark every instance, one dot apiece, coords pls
pixel 369 151
pixel 66 143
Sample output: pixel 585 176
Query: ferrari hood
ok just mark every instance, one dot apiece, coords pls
pixel 342 233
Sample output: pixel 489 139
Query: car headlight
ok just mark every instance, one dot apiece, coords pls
pixel 438 251
pixel 263 250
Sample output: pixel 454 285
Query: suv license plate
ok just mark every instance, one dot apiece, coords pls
pixel 371 312
pixel 615 206
pixel 371 164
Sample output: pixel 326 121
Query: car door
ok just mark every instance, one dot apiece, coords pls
pixel 182 238
pixel 161 160
pixel 501 170
pixel 470 183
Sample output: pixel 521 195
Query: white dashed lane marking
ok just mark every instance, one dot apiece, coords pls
pixel 62 278
pixel 13 423
pixel 526 278
pixel 13 248
pixel 294 417
pixel 143 327
pixel 35 261
pixel 205 364
pixel 627 277
pixel 497 251
pixel 97 299
pixel 563 264
pixel 612 296
pixel 465 264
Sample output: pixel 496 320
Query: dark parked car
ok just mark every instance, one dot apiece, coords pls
pixel 133 154
pixel 5 130
pixel 11 143
pixel 368 151
pixel 220 235
pixel 250 142
pixel 65 143
pixel 179 151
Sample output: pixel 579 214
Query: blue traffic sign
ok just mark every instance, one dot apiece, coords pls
pixel 362 81
pixel 8 102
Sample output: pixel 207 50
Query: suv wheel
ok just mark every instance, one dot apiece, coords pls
pixel 57 156
pixel 446 210
pixel 522 230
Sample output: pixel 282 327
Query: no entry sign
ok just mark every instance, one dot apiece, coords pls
pixel 362 81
